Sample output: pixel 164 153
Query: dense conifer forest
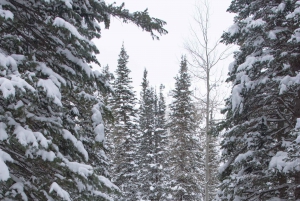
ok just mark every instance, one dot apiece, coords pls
pixel 69 131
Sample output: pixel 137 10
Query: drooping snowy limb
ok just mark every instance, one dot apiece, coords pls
pixel 6 14
pixel 60 192
pixel 4 175
pixel 98 123
pixel 224 167
pixel 19 187
pixel 107 182
pixel 141 19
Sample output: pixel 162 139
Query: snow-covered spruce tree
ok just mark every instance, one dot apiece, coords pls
pixel 146 140
pixel 153 143
pixel 259 155
pixel 161 172
pixel 125 130
pixel 108 120
pixel 108 77
pixel 214 159
pixel 51 128
pixel 183 142
pixel 107 98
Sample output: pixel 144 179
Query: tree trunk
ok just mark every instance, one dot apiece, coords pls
pixel 207 140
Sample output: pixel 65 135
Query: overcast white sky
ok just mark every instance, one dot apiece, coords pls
pixel 162 57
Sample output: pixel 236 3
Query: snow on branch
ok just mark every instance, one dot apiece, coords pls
pixel 234 29
pixel 79 168
pixel 76 60
pixel 288 81
pixel 6 14
pixel 98 193
pixel 108 183
pixel 82 169
pixel 3 133
pixel 26 136
pixel 4 173
pixel 19 187
pixel 59 22
pixel 6 61
pixel 60 192
pixel 46 155
pixel 98 123
pixel 56 78
pixel 250 60
pixel 224 167
pixel 78 144
pixel 51 89
pixel 7 86
pixel 243 156
pixel 237 100
pixel 279 162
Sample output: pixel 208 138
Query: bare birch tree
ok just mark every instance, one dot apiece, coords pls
pixel 204 56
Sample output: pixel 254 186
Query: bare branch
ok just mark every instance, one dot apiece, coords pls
pixel 204 58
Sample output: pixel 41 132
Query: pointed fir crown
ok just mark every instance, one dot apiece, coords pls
pixel 183 65
pixel 183 80
pixel 123 57
pixel 161 108
pixel 182 103
pixel 145 84
pixel 124 94
pixel 108 76
pixel 122 71
pixel 147 100
pixel 147 92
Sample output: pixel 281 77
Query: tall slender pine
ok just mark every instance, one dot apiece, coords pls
pixel 161 147
pixel 147 144
pixel 124 130
pixel 184 145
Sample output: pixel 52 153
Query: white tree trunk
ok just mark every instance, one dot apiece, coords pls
pixel 207 174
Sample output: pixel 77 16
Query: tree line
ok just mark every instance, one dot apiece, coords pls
pixel 155 156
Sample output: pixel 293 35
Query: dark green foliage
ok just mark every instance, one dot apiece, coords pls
pixel 51 127
pixel 147 145
pixel 184 152
pixel 261 112
pixel 124 130
pixel 153 143
pixel 161 151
